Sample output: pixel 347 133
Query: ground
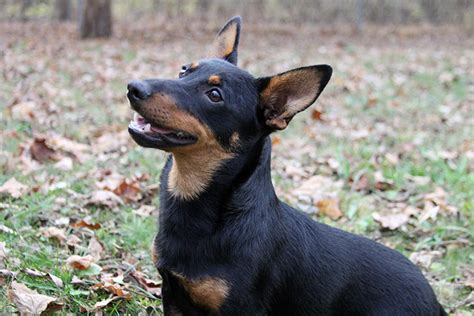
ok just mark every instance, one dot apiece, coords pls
pixel 386 152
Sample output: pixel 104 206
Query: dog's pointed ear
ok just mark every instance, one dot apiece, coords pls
pixel 227 41
pixel 284 95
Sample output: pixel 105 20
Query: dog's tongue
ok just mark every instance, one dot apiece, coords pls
pixel 147 127
pixel 160 130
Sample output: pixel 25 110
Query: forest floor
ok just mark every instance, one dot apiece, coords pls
pixel 387 152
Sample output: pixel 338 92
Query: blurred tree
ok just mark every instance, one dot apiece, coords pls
pixel 95 18
pixel 25 4
pixel 63 9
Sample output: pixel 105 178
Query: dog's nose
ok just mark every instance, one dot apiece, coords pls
pixel 138 90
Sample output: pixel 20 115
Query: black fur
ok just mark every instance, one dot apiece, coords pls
pixel 276 260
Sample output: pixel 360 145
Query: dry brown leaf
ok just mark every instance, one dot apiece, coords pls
pixel 13 188
pixel 329 207
pixel 30 302
pixel 24 111
pixel 65 164
pixel 391 221
pixel 105 198
pixel 114 288
pixel 73 240
pixel 469 280
pixel 6 230
pixel 40 151
pixel 129 190
pixel 52 277
pixel 56 280
pixel 54 232
pixel 319 187
pixel 34 272
pixel 424 258
pixel 66 145
pixel 276 140
pixel 105 302
pixel 86 223
pixel 317 115
pixel 76 280
pixel 110 142
pixel 3 251
pixel 151 286
pixel 80 263
pixel 146 210
pixel 96 249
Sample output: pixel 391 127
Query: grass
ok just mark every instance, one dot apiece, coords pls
pixel 384 101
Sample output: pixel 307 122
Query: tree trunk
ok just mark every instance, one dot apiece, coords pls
pixel 63 10
pixel 95 18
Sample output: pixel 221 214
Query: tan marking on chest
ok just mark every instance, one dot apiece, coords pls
pixel 208 292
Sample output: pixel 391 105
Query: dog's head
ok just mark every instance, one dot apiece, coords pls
pixel 215 99
pixel 216 109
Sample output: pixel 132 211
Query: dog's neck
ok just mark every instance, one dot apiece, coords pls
pixel 238 180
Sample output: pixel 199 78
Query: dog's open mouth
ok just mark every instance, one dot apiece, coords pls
pixel 148 134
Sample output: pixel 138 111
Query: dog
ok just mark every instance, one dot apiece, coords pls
pixel 226 244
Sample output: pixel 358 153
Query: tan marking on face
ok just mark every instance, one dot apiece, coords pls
pixel 224 42
pixel 208 292
pixel 193 165
pixel 214 80
pixel 194 65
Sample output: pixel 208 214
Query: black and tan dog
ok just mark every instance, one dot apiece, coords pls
pixel 226 244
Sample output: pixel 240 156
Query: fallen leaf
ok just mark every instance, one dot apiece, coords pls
pixel 73 240
pixel 3 251
pixel 13 188
pixel 86 223
pixel 391 221
pixel 6 230
pixel 114 288
pixel 318 188
pixel 56 280
pixel 24 111
pixel 105 302
pixel 469 280
pixel 54 232
pixel 151 286
pixel 60 143
pixel 65 164
pixel 110 142
pixel 105 198
pixel 41 152
pixel 129 190
pixel 276 140
pixel 30 302
pixel 96 249
pixel 52 277
pixel 80 263
pixel 76 280
pixel 34 272
pixel 329 207
pixel 146 210
pixel 424 258
pixel 317 115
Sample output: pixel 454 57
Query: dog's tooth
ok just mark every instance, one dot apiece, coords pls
pixel 147 128
pixel 135 116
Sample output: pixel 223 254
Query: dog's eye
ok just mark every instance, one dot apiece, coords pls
pixel 214 95
pixel 182 72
